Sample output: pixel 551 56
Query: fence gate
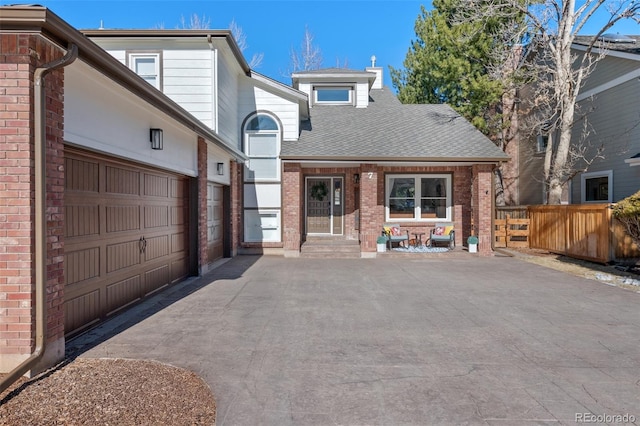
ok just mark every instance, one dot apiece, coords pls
pixel 510 232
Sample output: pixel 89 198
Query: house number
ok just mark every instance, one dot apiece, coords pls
pixel 370 174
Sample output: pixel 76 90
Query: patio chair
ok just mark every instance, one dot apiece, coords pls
pixel 443 233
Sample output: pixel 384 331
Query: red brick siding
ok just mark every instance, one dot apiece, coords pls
pixel 235 173
pixel 483 206
pixel 20 55
pixel 292 206
pixel 203 257
pixel 372 202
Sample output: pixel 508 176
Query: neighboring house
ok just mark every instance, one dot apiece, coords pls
pixel 611 99
pixel 155 176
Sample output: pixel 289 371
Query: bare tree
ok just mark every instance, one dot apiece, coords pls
pixel 195 22
pixel 241 40
pixel 556 73
pixel 309 57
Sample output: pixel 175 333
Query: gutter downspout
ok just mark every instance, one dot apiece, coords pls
pixel 40 213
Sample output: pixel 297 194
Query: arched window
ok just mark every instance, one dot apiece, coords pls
pixel 262 146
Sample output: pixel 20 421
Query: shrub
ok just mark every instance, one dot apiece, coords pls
pixel 627 211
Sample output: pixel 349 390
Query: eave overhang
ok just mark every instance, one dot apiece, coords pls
pixel 40 20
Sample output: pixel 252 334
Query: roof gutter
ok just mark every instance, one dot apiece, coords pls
pixel 40 214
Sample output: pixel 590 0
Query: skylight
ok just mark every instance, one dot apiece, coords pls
pixel 616 38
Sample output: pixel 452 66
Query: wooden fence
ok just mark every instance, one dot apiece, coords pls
pixel 583 231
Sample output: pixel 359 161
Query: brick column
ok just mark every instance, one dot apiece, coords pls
pixel 292 209
pixel 17 200
pixel 483 206
pixel 371 208
pixel 201 205
pixel 235 177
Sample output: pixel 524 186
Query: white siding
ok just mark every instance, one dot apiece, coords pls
pixel 216 155
pixel 186 78
pixel 362 95
pixel 262 195
pixel 227 86
pixel 119 124
pixel 253 98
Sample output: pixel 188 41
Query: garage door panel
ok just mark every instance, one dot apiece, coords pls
pixel 82 311
pixel 122 218
pixel 123 293
pixel 179 269
pixel 126 231
pixel 156 247
pixel 155 216
pixel 122 181
pixel 157 278
pixel 81 175
pixel 82 265
pixel 81 220
pixel 123 255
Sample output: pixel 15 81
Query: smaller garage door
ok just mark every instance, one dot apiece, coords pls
pixel 126 235
pixel 215 221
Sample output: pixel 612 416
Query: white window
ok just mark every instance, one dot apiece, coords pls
pixel 147 66
pixel 425 197
pixel 541 143
pixel 262 146
pixel 262 225
pixel 333 95
pixel 597 187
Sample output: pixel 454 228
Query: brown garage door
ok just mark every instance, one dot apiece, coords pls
pixel 126 235
pixel 215 220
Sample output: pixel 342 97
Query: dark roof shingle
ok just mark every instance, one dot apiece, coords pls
pixel 390 130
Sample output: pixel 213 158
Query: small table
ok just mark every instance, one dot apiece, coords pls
pixel 418 238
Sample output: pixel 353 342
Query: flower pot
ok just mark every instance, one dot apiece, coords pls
pixel 472 242
pixel 381 248
pixel 473 248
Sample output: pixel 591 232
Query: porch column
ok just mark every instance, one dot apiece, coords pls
pixel 292 208
pixel 371 208
pixel 483 205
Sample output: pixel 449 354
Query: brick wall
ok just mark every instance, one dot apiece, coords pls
pixel 292 208
pixel 20 55
pixel 483 206
pixel 236 177
pixel 203 257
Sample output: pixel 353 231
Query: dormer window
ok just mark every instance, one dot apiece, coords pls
pixel 333 95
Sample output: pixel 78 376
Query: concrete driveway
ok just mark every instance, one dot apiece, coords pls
pixel 440 340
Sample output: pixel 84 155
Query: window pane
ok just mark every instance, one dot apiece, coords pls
pixel 597 189
pixel 151 79
pixel 402 187
pixel 145 66
pixel 262 168
pixel 433 187
pixel 263 145
pixel 433 208
pixel 332 94
pixel 401 208
pixel 262 122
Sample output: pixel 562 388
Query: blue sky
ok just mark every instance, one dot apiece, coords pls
pixel 350 31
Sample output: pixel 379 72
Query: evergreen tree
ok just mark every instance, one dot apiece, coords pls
pixel 458 62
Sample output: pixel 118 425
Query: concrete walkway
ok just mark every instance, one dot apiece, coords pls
pixel 460 340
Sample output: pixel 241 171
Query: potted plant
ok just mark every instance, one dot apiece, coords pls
pixel 381 244
pixel 472 242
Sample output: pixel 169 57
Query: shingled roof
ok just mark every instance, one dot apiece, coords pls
pixel 388 130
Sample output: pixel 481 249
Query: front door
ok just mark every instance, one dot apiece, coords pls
pixel 324 201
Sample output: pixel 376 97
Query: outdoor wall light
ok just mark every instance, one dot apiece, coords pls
pixel 356 178
pixel 220 168
pixel 155 137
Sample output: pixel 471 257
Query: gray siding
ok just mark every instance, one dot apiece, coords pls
pixel 615 124
pixel 609 69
